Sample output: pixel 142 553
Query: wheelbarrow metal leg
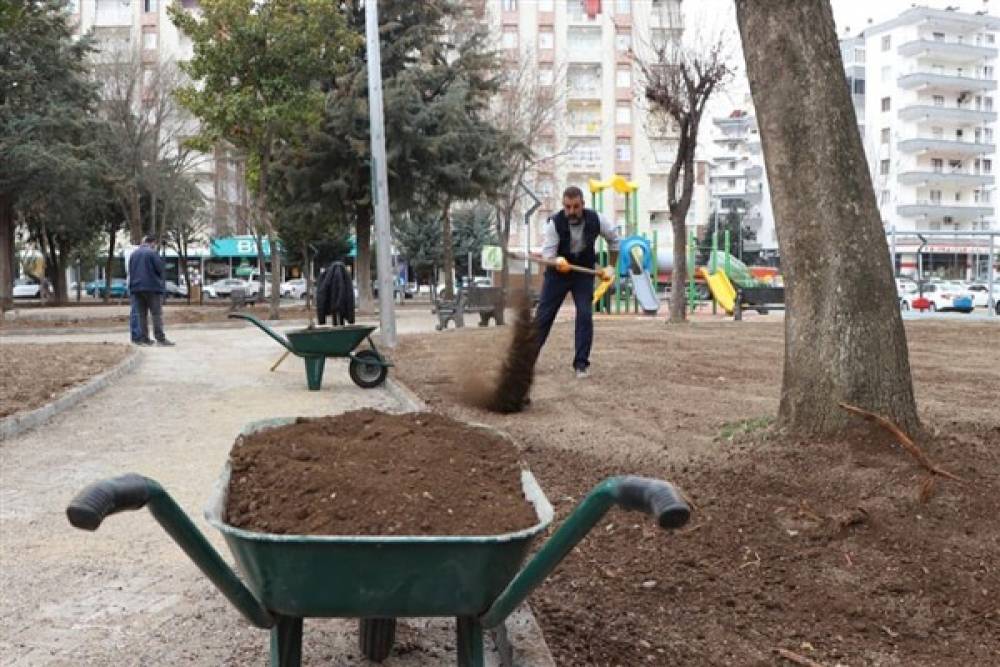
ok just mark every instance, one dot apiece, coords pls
pixel 470 642
pixel 314 371
pixel 286 642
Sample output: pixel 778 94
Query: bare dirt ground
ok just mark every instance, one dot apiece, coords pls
pixel 32 375
pixel 819 548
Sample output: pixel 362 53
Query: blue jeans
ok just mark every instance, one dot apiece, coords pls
pixel 554 291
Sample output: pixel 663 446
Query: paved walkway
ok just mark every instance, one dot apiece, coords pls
pixel 126 595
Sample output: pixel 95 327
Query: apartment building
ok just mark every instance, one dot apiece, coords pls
pixel 738 183
pixel 126 27
pixel 929 133
pixel 586 51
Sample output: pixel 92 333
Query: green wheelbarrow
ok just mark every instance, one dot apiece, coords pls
pixel 478 580
pixel 367 368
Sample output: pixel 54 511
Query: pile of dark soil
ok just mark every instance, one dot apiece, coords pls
pixel 371 473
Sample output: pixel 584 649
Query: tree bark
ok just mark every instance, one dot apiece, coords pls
pixel 6 253
pixel 448 251
pixel 678 277
pixel 362 262
pixel 844 337
pixel 109 264
pixel 135 215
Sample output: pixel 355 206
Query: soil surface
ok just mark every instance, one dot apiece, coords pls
pixel 372 473
pixel 823 549
pixel 32 375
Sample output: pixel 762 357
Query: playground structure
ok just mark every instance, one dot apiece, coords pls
pixel 636 256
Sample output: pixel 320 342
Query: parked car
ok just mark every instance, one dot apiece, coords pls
pixel 25 288
pixel 981 296
pixel 942 296
pixel 175 290
pixel 224 287
pixel 119 289
pixel 294 289
pixel 906 286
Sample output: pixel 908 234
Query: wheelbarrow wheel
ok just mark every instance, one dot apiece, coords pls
pixel 376 637
pixel 366 374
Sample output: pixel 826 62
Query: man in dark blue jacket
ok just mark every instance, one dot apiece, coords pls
pixel 147 285
pixel 569 238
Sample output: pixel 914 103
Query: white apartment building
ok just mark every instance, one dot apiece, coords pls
pixel 929 132
pixel 127 26
pixel 586 51
pixel 738 182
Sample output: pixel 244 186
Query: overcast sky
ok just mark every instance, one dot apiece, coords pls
pixel 714 17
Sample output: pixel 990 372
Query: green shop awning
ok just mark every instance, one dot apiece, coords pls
pixel 238 246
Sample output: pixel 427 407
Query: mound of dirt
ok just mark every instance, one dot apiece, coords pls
pixel 371 473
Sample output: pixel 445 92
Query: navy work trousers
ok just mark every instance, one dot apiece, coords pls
pixel 554 290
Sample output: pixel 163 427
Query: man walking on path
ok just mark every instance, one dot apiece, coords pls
pixel 133 316
pixel 569 238
pixel 147 285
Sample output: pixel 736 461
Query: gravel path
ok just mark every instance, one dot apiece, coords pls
pixel 126 595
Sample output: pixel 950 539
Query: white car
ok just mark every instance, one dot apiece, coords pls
pixel 223 287
pixel 26 289
pixel 295 288
pixel 981 296
pixel 941 295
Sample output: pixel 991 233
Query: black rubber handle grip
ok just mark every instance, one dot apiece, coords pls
pixel 88 509
pixel 656 497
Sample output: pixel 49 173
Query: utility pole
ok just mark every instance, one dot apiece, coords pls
pixel 380 179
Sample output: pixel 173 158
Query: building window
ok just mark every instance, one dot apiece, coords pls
pixel 988 135
pixel 623 6
pixel 885 103
pixel 731 183
pixel 732 146
pixel 958 195
pixel 938 36
pixel 859 55
pixel 546 39
pixel 886 42
pixel 987 72
pixel 509 5
pixel 623 41
pixel 623 150
pixel 623 78
pixel 937 164
pixel 859 86
pixel 623 114
pixel 883 198
pixel 510 39
pixel 149 40
pixel 545 76
pixel 987 166
pixel 935 196
pixel 939 100
pixel 990 38
pixel 937 133
pixel 988 103
pixel 732 165
pixel 883 168
pixel 149 6
pixel 884 135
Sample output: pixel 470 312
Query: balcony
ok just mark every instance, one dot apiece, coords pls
pixel 952 82
pixel 946 51
pixel 929 209
pixel 584 129
pixel 583 92
pixel 944 146
pixel 929 112
pixel 929 177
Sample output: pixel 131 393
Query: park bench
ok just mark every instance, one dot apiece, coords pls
pixel 239 299
pixel 761 299
pixel 482 300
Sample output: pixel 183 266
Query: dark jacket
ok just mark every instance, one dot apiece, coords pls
pixel 591 230
pixel 335 295
pixel 146 272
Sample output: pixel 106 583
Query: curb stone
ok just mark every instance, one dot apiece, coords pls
pixel 19 422
pixel 519 641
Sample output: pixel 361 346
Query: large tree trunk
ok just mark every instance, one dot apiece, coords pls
pixel 135 216
pixel 363 261
pixel 6 253
pixel 678 277
pixel 844 337
pixel 448 252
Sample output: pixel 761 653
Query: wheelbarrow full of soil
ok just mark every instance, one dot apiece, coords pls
pixel 479 580
pixel 368 368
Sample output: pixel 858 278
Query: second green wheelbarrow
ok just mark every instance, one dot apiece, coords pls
pixel 368 368
pixel 478 580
